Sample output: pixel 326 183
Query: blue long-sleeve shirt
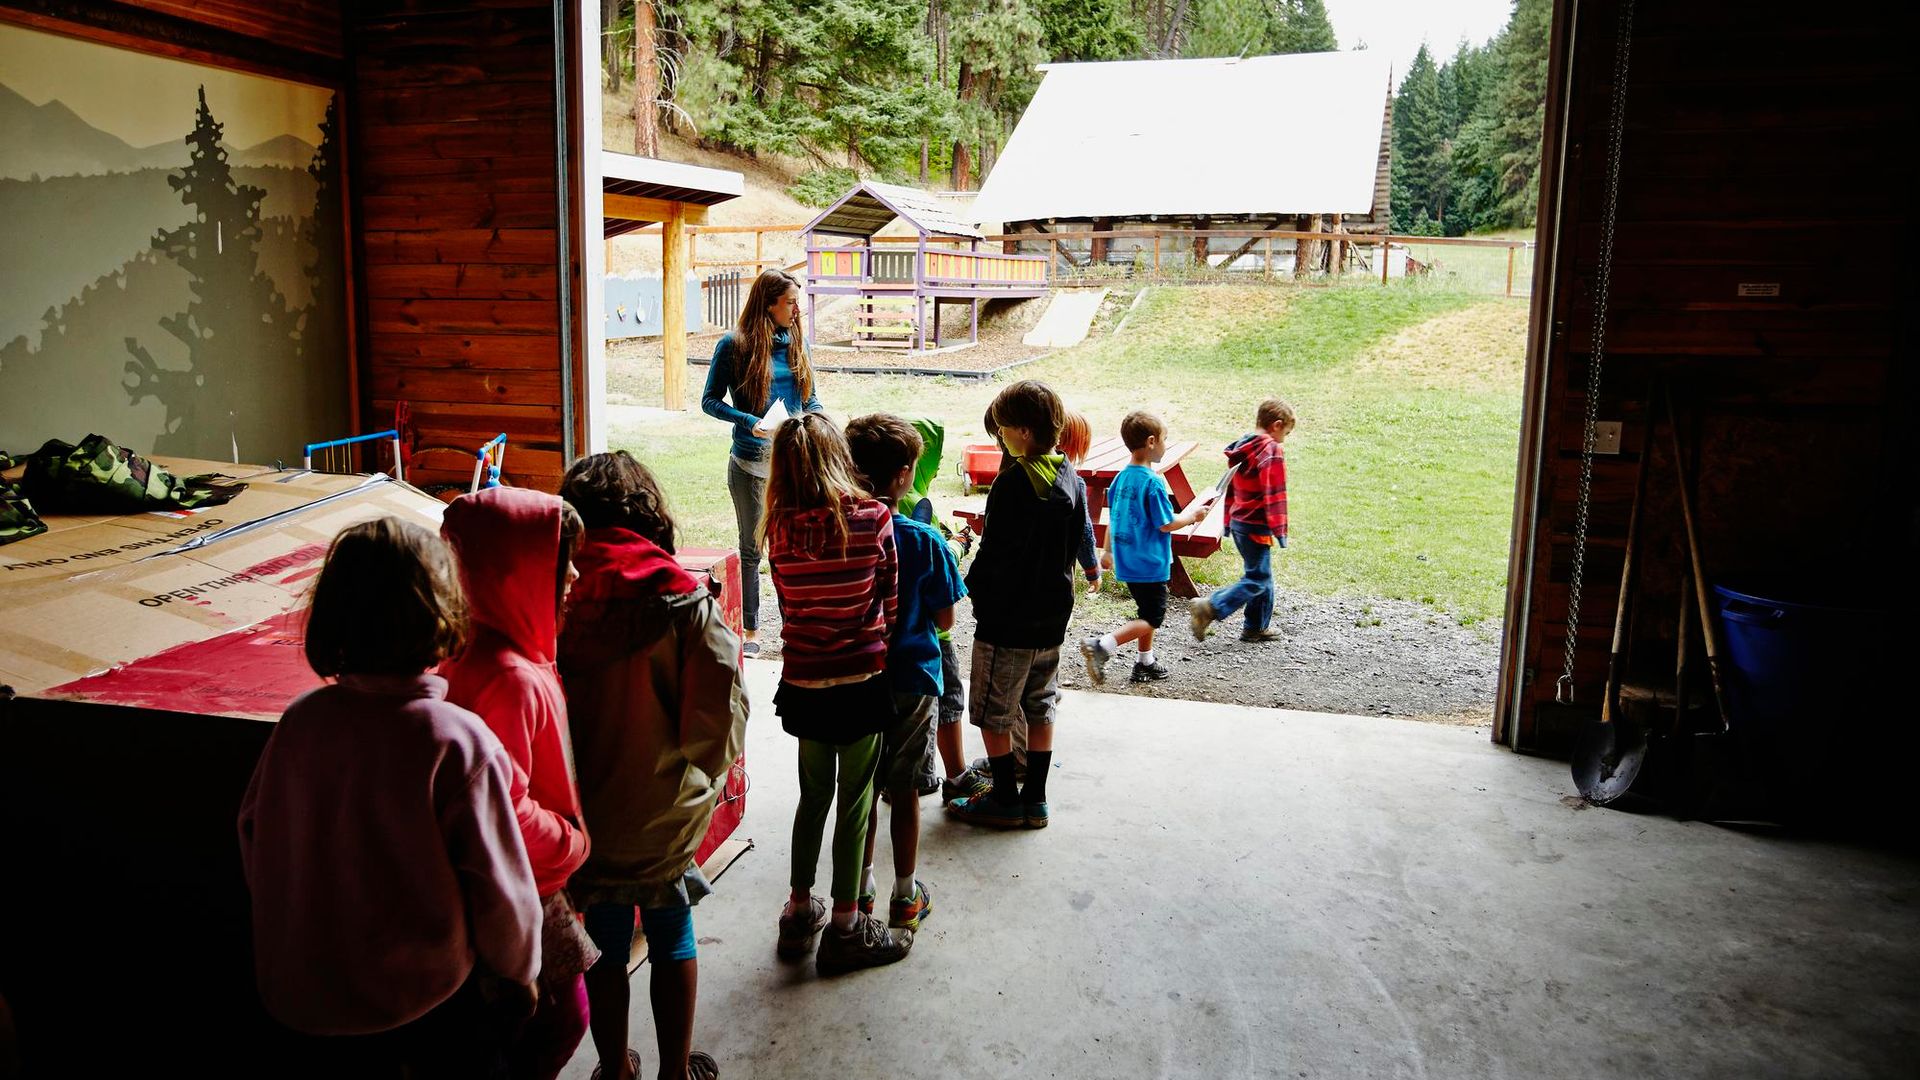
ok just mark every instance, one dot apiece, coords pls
pixel 723 384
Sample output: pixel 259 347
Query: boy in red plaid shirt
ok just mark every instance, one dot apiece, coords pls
pixel 1257 520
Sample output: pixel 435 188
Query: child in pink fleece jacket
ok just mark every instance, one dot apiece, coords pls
pixel 515 551
pixel 391 894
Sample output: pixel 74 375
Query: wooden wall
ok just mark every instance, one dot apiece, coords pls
pixel 454 158
pixel 1758 150
pixel 307 25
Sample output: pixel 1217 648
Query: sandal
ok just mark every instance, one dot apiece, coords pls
pixel 633 1058
pixel 701 1066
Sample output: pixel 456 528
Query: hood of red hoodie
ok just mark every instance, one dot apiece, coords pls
pixel 625 601
pixel 1250 448
pixel 508 544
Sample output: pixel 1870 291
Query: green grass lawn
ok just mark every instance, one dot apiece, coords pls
pixel 1400 473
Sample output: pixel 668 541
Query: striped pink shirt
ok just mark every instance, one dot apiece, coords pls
pixel 837 599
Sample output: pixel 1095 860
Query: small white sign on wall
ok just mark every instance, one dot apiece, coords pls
pixel 1759 288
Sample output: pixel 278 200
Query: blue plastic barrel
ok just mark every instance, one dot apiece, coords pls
pixel 1792 662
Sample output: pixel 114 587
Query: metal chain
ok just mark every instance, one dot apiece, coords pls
pixel 1602 291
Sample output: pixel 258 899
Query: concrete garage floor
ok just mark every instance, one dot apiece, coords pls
pixel 1233 892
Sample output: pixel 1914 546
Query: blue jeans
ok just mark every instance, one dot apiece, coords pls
pixel 1254 590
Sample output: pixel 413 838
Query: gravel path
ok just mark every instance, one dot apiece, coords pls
pixel 1335 654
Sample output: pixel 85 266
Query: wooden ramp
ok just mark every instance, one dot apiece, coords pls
pixel 1068 317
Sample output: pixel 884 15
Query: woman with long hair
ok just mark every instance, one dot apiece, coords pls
pixel 761 361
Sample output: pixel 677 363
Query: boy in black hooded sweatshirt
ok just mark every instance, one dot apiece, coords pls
pixel 1022 583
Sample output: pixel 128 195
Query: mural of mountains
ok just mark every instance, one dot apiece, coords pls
pixel 52 140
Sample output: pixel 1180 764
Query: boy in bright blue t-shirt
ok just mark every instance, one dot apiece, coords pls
pixel 885 449
pixel 1140 524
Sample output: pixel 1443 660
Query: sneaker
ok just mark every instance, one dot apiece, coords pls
pixel 1201 611
pixel 969 783
pixel 1153 672
pixel 907 914
pixel 1265 633
pixel 1096 656
pixel 1036 815
pixel 867 944
pixel 988 810
pixel 799 928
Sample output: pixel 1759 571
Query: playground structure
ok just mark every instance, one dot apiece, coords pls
pixel 900 289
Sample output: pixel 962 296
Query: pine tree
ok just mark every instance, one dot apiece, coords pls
pixel 236 330
pixel 323 324
pixel 1231 28
pixel 1419 147
pixel 1081 30
pixel 1515 145
pixel 1305 28
pixel 998 44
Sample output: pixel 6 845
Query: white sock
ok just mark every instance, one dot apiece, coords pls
pixel 1146 656
pixel 843 920
pixel 903 888
pixel 868 886
pixel 1110 643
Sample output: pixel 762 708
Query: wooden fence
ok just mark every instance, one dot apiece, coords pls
pixel 1161 254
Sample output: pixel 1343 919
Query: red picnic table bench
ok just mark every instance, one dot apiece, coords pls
pixel 1103 462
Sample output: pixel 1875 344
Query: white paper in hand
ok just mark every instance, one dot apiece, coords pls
pixel 776 415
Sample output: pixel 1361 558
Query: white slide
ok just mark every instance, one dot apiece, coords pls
pixel 1068 317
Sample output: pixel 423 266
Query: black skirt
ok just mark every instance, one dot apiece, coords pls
pixel 835 714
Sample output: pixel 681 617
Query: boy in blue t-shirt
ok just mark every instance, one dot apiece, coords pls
pixel 885 449
pixel 1140 524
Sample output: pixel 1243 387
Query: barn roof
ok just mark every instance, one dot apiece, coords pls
pixel 871 206
pixel 1297 134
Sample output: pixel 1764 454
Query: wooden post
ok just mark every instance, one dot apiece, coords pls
pixel 1100 242
pixel 693 244
pixel 673 307
pixel 1314 225
pixel 1510 271
pixel 759 263
pixel 1269 257
pixel 1386 250
pixel 1337 250
pixel 1200 242
pixel 1156 253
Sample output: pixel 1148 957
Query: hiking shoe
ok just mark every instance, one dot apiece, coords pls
pixel 907 914
pixel 1096 656
pixel 1153 672
pixel 1265 633
pixel 966 785
pixel 867 944
pixel 799 928
pixel 1201 611
pixel 988 810
pixel 1036 815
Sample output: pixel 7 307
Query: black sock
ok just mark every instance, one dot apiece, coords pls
pixel 1004 786
pixel 1038 762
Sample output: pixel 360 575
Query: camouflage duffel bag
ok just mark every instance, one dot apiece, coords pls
pixel 100 477
pixel 17 519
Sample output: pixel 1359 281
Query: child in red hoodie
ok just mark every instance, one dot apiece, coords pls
pixel 515 550
pixel 1257 520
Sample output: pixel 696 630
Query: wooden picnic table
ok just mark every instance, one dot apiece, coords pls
pixel 1104 461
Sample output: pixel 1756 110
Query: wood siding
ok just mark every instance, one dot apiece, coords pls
pixel 1758 150
pixel 311 26
pixel 454 157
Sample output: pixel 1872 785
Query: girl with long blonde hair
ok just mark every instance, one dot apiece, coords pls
pixel 761 360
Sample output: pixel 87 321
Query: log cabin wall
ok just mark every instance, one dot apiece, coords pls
pixel 455 160
pixel 1758 151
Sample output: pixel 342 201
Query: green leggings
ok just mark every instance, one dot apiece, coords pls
pixel 855 763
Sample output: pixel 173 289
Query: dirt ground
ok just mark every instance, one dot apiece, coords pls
pixel 1335 654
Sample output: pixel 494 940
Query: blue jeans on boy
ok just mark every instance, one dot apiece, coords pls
pixel 1254 590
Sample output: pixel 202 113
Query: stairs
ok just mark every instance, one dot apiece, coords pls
pixel 886 322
